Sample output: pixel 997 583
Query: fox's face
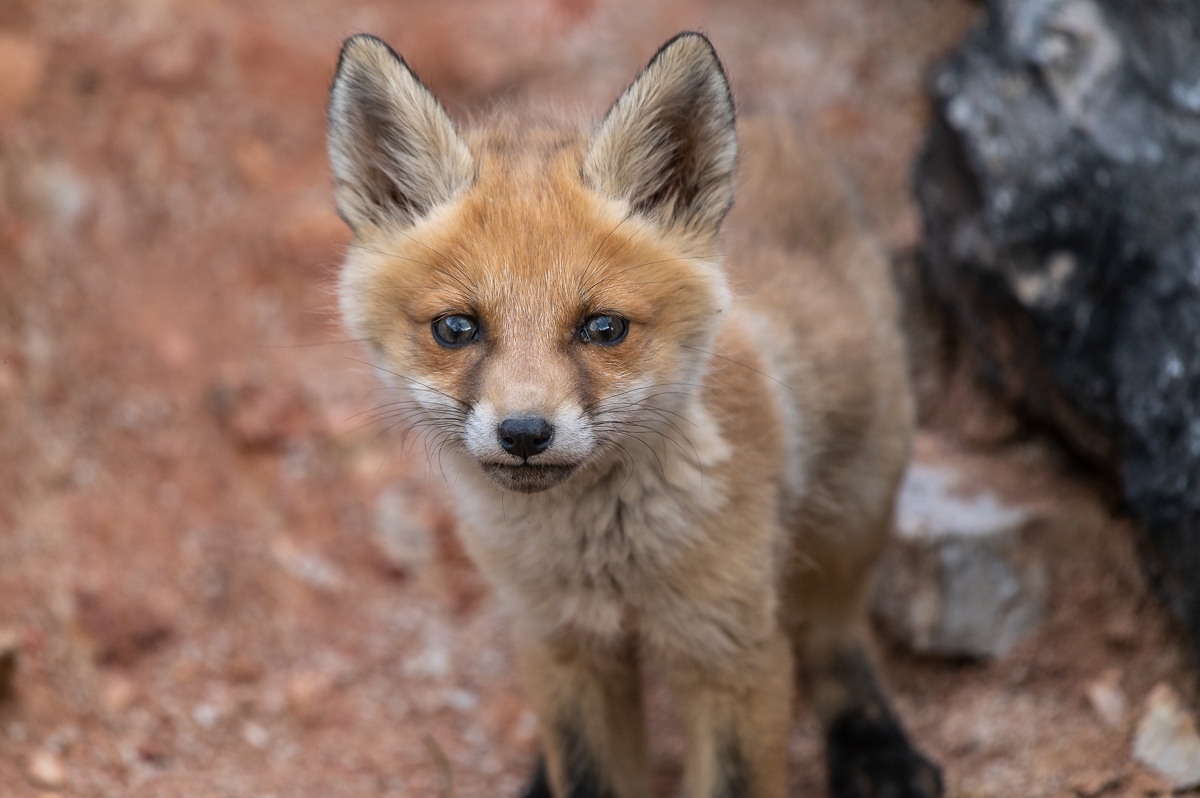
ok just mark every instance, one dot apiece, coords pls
pixel 543 300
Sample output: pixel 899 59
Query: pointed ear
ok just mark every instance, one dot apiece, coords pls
pixel 668 146
pixel 395 152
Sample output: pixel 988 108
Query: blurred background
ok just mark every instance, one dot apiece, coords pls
pixel 219 577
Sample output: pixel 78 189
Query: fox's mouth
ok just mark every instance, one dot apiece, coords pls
pixel 527 477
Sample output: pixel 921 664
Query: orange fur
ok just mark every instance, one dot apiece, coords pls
pixel 719 482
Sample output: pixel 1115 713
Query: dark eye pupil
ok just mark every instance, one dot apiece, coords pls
pixel 605 329
pixel 455 330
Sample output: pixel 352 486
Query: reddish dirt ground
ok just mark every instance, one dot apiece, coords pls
pixel 190 477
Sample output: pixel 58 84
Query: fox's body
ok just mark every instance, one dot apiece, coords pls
pixel 658 449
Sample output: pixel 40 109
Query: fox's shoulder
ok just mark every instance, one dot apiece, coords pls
pixel 791 190
pixel 797 224
pixel 816 287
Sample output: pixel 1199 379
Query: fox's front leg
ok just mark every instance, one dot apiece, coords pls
pixel 737 718
pixel 868 752
pixel 588 702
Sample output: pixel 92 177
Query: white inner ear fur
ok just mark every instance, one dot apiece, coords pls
pixel 668 145
pixel 395 152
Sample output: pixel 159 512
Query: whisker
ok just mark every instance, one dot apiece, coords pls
pixel 457 268
pixel 661 469
pixel 648 428
pixel 591 405
pixel 738 363
pixel 393 255
pixel 613 254
pixel 314 343
pixel 587 270
pixel 414 381
pixel 592 287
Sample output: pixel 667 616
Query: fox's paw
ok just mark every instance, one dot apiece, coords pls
pixel 870 757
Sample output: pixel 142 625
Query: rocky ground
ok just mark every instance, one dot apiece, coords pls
pixel 220 576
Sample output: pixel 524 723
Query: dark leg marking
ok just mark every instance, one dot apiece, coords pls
pixel 585 778
pixel 539 782
pixel 868 753
pixel 870 757
pixel 733 776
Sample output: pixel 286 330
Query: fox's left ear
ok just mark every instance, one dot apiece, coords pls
pixel 395 152
pixel 668 146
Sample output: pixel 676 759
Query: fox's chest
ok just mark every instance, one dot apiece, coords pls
pixel 601 562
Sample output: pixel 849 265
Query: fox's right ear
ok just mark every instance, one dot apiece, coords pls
pixel 396 154
pixel 668 145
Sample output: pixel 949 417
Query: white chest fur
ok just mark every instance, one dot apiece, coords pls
pixel 597 556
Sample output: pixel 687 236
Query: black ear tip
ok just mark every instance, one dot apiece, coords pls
pixel 363 46
pixel 693 36
pixel 691 41
pixel 360 42
pixel 364 40
pixel 692 51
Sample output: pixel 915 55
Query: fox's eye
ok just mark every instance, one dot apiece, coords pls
pixel 603 329
pixel 454 331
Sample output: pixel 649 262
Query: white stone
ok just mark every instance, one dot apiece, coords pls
pixel 1166 739
pixel 1107 698
pixel 46 769
pixel 256 735
pixel 205 715
pixel 961 579
pixel 307 566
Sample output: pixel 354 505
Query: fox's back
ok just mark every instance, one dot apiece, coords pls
pixel 818 286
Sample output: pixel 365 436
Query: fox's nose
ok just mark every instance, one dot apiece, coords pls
pixel 525 436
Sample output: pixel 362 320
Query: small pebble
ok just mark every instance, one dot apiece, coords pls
pixel 1121 632
pixel 118 694
pixel 205 715
pixel 1107 698
pixel 306 690
pixel 46 769
pixel 309 567
pixel 462 700
pixel 1095 784
pixel 244 670
pixel 254 734
pixel 151 751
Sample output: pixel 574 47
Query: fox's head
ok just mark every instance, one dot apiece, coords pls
pixel 543 296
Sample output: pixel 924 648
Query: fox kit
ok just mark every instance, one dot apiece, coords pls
pixel 657 452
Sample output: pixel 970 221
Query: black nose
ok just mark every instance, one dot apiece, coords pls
pixel 525 436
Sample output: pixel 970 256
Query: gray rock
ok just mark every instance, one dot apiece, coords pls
pixel 1166 739
pixel 962 578
pixel 1060 192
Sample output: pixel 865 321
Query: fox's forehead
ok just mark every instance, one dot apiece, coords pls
pixel 517 140
pixel 529 200
pixel 527 220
